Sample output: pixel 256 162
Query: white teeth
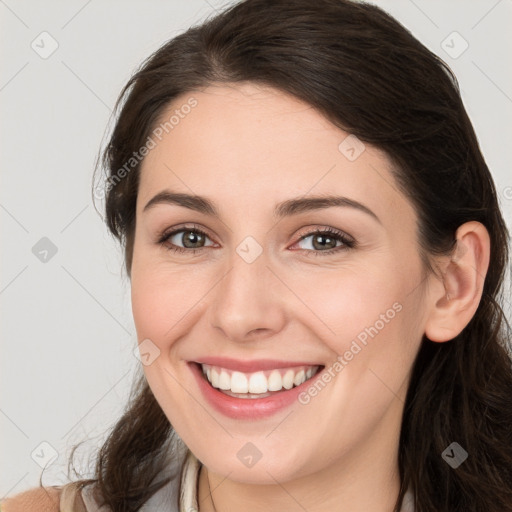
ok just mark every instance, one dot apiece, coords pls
pixel 258 383
pixel 275 382
pixel 261 383
pixel 215 378
pixel 224 380
pixel 288 379
pixel 300 377
pixel 239 383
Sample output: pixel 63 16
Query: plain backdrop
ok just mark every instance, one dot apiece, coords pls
pixel 67 334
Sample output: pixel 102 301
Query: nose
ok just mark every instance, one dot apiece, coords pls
pixel 248 302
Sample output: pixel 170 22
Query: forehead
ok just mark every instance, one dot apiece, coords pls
pixel 256 146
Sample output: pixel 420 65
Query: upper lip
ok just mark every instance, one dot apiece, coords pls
pixel 253 365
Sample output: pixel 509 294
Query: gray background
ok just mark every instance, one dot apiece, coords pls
pixel 67 334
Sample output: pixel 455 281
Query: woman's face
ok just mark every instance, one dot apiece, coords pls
pixel 264 293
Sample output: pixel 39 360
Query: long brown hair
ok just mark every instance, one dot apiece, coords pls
pixel 368 75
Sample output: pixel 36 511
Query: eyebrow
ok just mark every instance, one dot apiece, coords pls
pixel 284 209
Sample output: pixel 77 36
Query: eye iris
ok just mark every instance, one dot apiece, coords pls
pixel 193 238
pixel 321 245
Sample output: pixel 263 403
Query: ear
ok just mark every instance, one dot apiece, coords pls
pixel 455 299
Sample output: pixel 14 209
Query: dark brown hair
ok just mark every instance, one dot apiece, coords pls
pixel 368 75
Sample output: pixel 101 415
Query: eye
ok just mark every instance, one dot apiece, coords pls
pixel 326 241
pixel 192 239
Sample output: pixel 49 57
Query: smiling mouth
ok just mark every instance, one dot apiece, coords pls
pixel 259 384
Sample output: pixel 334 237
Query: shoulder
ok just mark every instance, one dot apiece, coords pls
pixel 38 499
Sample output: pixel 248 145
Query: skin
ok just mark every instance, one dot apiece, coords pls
pixel 247 148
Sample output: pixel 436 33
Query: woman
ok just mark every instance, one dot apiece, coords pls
pixel 316 254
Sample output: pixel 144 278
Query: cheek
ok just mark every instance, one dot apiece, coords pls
pixel 159 300
pixel 349 305
pixel 160 308
pixel 167 301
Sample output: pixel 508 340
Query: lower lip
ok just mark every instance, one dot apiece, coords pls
pixel 247 408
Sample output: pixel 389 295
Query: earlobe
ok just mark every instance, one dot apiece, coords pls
pixel 455 299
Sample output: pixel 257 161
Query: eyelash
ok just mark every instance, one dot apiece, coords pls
pixel 348 243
